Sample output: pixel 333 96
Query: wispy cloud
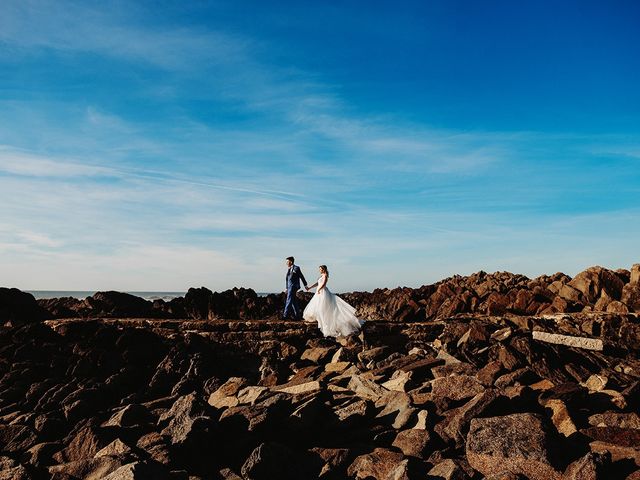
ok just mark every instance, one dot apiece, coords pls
pixel 185 155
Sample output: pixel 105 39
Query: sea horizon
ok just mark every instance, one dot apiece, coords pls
pixel 82 294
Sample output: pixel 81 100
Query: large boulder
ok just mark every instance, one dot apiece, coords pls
pixel 518 443
pixel 18 308
pixel 118 304
pixel 597 282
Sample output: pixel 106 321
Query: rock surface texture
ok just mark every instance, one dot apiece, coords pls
pixel 466 396
pixel 597 289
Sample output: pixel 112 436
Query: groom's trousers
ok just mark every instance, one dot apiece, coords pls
pixel 291 308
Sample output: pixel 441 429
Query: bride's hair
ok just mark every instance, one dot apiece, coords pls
pixel 324 269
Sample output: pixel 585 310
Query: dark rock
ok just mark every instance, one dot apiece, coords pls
pixel 16 438
pixel 118 304
pixel 271 460
pixel 18 308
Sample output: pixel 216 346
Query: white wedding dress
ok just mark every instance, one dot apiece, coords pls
pixel 335 317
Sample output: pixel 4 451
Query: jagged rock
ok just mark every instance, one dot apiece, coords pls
pixel 630 296
pixel 300 388
pixel 354 412
pixel 335 461
pixel 270 460
pixel 397 409
pixel 447 470
pixel 518 443
pixel 129 416
pixel 115 449
pixel 16 438
pixel 560 417
pixel 365 388
pixel 615 419
pixel 621 443
pixel 591 466
pixel 381 464
pixel 226 395
pixel 188 422
pixel 139 471
pixel 41 454
pixel 88 468
pixel 318 355
pixel 456 387
pixel 412 443
pixel 84 444
pixel 455 425
pixel 156 447
pixel 118 304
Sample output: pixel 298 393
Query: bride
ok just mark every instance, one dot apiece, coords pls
pixel 334 316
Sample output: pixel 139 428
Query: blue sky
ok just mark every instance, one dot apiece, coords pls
pixel 162 145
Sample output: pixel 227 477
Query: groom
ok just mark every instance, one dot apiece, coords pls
pixel 294 275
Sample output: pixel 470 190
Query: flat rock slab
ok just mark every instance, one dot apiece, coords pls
pixel 516 443
pixel 569 340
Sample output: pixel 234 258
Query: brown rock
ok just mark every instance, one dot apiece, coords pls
pixel 615 419
pixel 631 296
pixel 139 471
pixel 517 443
pixel 621 443
pixel 365 388
pixel 318 355
pixel 590 467
pixel 456 387
pixel 453 368
pixel 447 470
pixel 355 411
pixel 129 416
pixel 381 464
pixel 567 292
pixel 560 417
pixel 596 383
pixel 88 469
pixel 85 444
pixel 155 445
pixel 397 409
pixel 334 459
pixel 115 448
pixel 413 443
pixel 488 374
pixel 300 388
pixel 617 307
pixel 398 381
pixel 226 395
pixel 188 422
pixel 569 340
pixel 16 438
pixel 455 425
pixel 595 281
pixel 635 274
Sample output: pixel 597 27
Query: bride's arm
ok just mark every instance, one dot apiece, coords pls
pixel 311 286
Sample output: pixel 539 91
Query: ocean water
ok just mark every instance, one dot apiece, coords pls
pixel 166 296
pixel 38 294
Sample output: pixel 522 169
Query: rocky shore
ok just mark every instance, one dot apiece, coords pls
pixel 596 289
pixel 469 378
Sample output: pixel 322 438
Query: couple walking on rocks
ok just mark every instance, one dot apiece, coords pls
pixel 334 316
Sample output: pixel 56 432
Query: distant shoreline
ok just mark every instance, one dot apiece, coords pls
pixel 82 294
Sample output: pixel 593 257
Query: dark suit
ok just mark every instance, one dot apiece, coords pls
pixel 293 279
